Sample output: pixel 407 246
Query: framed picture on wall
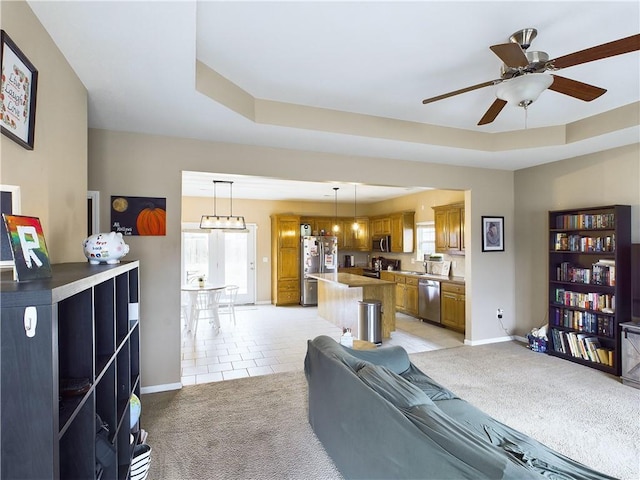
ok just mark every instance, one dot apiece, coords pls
pixel 144 216
pixel 9 204
pixel 493 234
pixel 18 94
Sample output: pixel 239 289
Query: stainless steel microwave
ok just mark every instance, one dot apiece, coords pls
pixel 381 243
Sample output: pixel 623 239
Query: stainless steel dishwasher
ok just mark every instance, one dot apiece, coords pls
pixel 429 299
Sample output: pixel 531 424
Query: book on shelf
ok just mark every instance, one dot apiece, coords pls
pixel 601 302
pixel 585 221
pixel 581 345
pixel 582 243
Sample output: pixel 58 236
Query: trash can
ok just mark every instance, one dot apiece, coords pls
pixel 370 321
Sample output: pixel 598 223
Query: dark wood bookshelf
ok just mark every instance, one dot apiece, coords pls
pixel 87 328
pixel 589 284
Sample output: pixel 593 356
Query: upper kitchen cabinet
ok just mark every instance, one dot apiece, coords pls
pixel 449 220
pixel 320 224
pixel 285 253
pixel 402 232
pixel 380 226
pixel 351 239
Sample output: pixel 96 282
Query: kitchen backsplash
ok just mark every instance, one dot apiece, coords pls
pixel 363 259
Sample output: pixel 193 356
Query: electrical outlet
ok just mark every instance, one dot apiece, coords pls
pixel 499 313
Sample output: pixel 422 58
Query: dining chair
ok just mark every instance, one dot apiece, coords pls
pixel 227 303
pixel 185 305
pixel 207 302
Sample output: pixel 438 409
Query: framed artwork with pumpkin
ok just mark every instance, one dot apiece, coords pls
pixel 144 216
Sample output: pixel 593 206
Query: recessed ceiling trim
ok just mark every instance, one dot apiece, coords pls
pixel 270 112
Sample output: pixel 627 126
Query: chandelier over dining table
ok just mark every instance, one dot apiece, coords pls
pixel 222 222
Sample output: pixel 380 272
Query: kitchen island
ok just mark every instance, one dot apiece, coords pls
pixel 339 294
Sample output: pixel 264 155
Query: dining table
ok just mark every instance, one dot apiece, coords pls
pixel 193 312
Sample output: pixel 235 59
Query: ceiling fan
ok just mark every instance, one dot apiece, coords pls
pixel 522 74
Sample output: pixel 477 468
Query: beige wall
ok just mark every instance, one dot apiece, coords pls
pixel 606 178
pixel 53 176
pixel 146 165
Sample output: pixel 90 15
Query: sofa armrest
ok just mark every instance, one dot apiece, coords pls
pixel 394 358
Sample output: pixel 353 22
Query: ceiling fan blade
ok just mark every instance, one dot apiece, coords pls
pixel 611 49
pixel 573 88
pixel 511 54
pixel 462 90
pixel 491 114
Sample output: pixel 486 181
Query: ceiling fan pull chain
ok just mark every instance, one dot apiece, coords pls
pixel 526 114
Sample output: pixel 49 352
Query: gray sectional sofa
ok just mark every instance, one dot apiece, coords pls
pixel 378 416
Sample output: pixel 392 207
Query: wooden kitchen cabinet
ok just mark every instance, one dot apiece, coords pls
pixel 318 224
pixel 406 294
pixel 285 254
pixel 449 223
pixel 325 224
pixel 380 226
pixel 452 306
pixel 411 296
pixel 402 232
pixel 388 276
pixel 354 240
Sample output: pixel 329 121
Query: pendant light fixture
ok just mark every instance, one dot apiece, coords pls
pixel 336 227
pixel 222 222
pixel 355 221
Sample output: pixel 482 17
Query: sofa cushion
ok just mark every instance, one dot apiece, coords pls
pixel 392 387
pixel 428 385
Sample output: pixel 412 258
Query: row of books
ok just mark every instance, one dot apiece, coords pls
pixel 602 272
pixel 584 220
pixel 584 321
pixel 581 345
pixel 599 302
pixel 579 243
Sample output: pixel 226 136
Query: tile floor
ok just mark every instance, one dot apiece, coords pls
pixel 269 339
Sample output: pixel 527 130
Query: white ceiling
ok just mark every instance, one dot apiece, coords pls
pixel 137 60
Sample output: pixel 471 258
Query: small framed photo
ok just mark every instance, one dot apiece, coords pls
pixel 492 234
pixel 17 94
pixel 9 204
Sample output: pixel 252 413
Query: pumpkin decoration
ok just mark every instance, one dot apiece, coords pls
pixel 152 221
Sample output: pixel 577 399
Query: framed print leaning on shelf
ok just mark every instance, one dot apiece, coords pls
pixel 17 93
pixel 493 234
pixel 30 255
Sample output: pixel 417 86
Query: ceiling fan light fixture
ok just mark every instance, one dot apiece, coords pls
pixel 524 37
pixel 522 91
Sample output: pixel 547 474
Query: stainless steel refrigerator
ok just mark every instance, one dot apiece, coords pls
pixel 318 255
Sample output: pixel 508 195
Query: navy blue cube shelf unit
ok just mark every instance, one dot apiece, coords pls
pixel 87 335
pixel 589 284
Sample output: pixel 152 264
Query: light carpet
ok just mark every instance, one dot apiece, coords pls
pixel 257 428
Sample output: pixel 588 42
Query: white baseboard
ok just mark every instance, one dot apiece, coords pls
pixel 496 340
pixel 161 388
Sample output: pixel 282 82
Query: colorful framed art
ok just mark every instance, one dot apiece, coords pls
pixel 30 255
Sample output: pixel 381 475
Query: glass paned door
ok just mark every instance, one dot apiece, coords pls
pixel 222 257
